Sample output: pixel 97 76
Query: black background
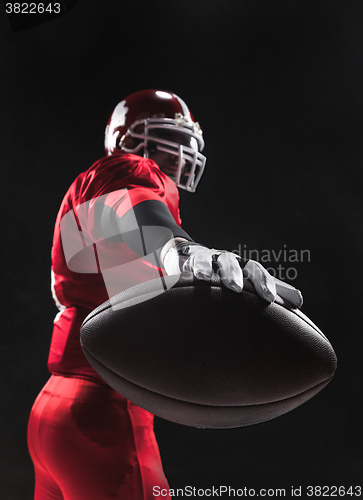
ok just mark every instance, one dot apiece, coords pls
pixel 277 88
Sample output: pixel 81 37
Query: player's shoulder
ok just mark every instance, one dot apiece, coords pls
pixel 115 166
pixel 141 176
pixel 110 173
pixel 128 168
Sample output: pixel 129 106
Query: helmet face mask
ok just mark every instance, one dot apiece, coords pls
pixel 171 130
pixel 167 136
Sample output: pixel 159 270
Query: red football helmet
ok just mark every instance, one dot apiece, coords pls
pixel 158 120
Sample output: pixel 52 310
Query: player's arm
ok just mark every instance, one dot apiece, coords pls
pixel 155 215
pixel 177 252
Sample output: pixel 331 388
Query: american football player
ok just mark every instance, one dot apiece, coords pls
pixel 87 441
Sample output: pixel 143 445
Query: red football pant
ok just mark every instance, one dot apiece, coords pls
pixel 88 442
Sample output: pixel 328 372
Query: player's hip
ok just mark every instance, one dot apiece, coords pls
pixel 86 436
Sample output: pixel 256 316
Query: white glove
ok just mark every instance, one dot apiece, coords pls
pixel 203 262
pixel 269 287
pixel 199 260
pixel 289 293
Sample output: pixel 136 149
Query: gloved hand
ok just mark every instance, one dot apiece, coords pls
pixel 267 286
pixel 203 262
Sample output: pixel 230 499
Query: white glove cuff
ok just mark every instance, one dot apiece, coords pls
pixel 171 261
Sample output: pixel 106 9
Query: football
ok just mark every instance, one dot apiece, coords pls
pixel 202 355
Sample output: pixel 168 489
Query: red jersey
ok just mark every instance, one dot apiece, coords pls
pixel 84 272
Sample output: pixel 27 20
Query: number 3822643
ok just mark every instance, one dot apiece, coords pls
pixel 33 8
